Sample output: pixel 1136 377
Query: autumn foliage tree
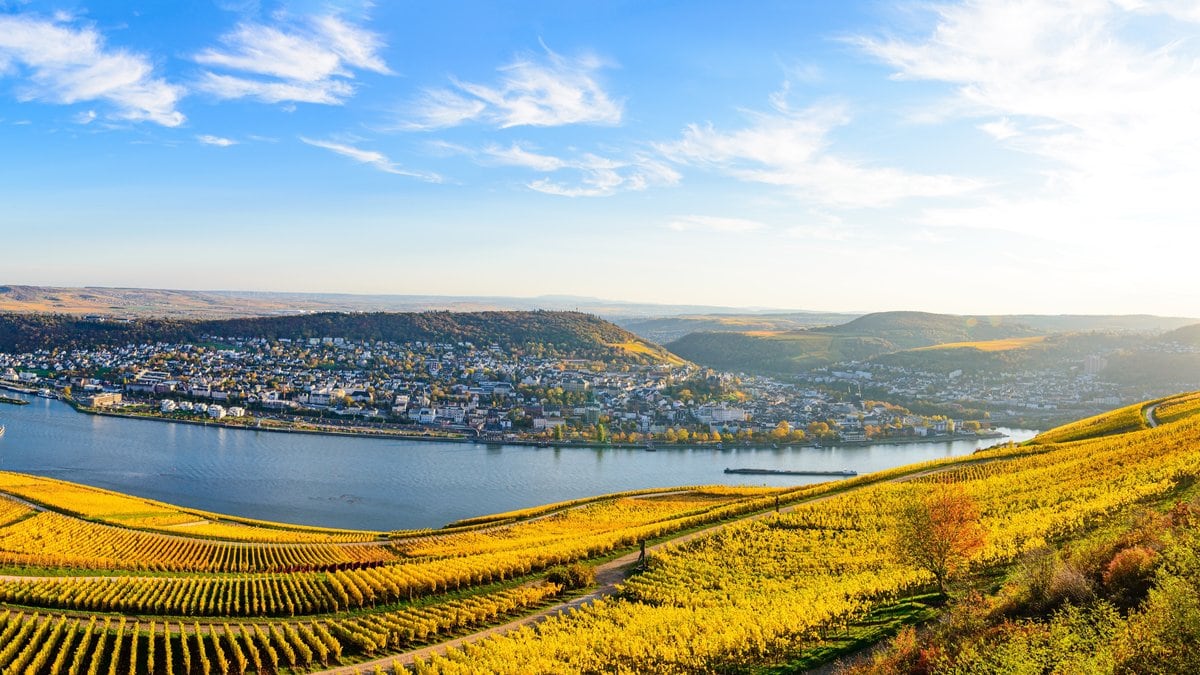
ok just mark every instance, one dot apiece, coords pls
pixel 939 531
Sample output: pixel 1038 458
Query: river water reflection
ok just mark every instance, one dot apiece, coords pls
pixel 383 484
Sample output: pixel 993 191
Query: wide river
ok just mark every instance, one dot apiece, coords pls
pixel 383 484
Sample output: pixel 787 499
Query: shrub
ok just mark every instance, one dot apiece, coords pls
pixel 1128 575
pixel 570 577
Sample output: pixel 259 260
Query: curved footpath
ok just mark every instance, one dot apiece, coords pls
pixel 608 576
pixel 1149 411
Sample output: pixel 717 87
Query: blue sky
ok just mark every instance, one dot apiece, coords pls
pixel 1030 156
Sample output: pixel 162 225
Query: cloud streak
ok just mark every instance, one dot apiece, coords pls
pixel 547 92
pixel 218 141
pixel 372 158
pixel 310 60
pixel 588 174
pixel 65 63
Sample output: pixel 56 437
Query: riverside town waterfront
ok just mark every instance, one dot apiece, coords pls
pixel 386 484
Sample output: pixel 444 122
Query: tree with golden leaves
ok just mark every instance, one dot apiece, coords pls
pixel 939 531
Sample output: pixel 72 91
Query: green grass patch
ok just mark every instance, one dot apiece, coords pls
pixel 879 624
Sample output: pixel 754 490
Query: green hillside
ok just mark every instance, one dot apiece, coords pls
pixel 770 352
pixel 563 333
pixel 668 329
pixel 862 338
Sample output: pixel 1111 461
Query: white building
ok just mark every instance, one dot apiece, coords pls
pixel 216 412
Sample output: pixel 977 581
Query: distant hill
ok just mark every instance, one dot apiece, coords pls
pixel 182 304
pixel 907 330
pixel 1188 335
pixel 564 333
pixel 862 338
pixel 1004 354
pixel 669 328
pixel 784 352
pixel 1078 323
pixel 947 342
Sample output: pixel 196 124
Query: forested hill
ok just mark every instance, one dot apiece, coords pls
pixel 907 330
pixel 562 333
pixel 865 337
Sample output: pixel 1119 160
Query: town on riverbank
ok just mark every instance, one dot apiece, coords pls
pixel 462 391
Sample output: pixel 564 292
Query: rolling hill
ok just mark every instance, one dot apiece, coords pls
pixel 862 338
pixel 565 333
pixel 1186 335
pixel 947 342
pixel 670 328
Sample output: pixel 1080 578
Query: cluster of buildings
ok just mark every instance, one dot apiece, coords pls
pixel 477 390
pixel 1066 390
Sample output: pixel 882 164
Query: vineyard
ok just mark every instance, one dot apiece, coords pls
pixel 1119 421
pixel 97 582
pixel 1177 408
pixel 144 587
pixel 763 592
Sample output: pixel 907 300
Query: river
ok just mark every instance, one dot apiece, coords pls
pixel 384 484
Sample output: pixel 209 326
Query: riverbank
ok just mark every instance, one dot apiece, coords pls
pixel 359 432
pixel 356 482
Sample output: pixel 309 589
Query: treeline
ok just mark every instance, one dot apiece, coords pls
pixel 571 333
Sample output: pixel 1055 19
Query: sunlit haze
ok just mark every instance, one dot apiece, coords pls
pixel 975 157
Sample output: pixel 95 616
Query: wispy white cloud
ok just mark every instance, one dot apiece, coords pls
pixel 63 62
pixel 515 155
pixel 1101 93
pixel 372 158
pixel 208 139
pixel 310 60
pixel 583 175
pixel 791 149
pixel 714 224
pixel 547 92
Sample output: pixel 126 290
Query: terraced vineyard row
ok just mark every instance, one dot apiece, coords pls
pixel 563 539
pixel 47 643
pixel 55 540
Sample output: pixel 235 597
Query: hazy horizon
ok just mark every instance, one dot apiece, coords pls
pixel 956 157
pixel 560 302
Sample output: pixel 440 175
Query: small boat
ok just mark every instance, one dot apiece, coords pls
pixel 1 429
pixel 784 472
pixel 651 448
pixel 541 445
pixel 46 393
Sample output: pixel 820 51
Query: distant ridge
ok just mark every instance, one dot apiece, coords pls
pixel 1188 335
pixel 185 304
pixel 895 335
